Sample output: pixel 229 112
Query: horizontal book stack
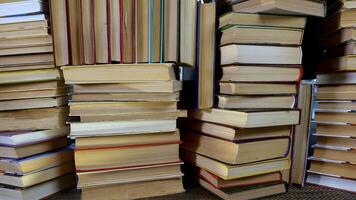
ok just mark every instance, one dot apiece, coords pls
pixel 123 119
pixel 35 160
pixel 124 31
pixel 333 162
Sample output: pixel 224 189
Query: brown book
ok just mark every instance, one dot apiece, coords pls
pixel 339 105
pixel 135 190
pixel 335 153
pixel 101 31
pixel 59 31
pixel 33 119
pixel 33 94
pixel 247 119
pixel 27 59
pixel 256 102
pixel 336 141
pixel 335 130
pixel 339 20
pixel 237 152
pixel 160 97
pixel 74 23
pixel 206 52
pixel 287 7
pixel 336 92
pixel 240 182
pixel 27 87
pixel 239 34
pixel 343 117
pixel 44 46
pixel 155 30
pixel 188 19
pixel 143 16
pixel 19 104
pixel 27 41
pixel 253 54
pixel 127 28
pixel 234 134
pixel 247 19
pixel 171 33
pixel 257 88
pixel 29 76
pixel 336 78
pixel 24 25
pixel 114 30
pixel 87 31
pixel 333 167
pixel 341 36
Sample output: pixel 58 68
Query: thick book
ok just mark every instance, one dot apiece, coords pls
pixel 33 119
pixel 240 182
pixel 335 153
pixel 119 157
pixel 229 172
pixel 101 39
pixel 341 19
pixel 122 127
pixel 344 78
pixel 29 76
pixel 37 162
pixel 340 116
pixel 135 190
pixel 256 102
pixel 248 192
pixel 235 134
pixel 336 92
pixel 261 74
pixel 339 37
pixel 27 7
pixel 127 31
pixel 59 31
pixel 87 31
pixel 335 130
pixel 237 152
pixel 116 73
pixel 31 179
pixel 261 20
pixel 282 7
pixel 240 34
pixel 38 191
pixel 129 175
pixel 258 54
pixel 247 119
pixel 340 64
pixel 333 167
pixel 21 138
pixel 332 181
pixel 249 88
pixel 74 32
pixel 188 29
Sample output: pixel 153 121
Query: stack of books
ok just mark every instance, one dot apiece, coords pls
pixel 123 119
pixel 33 135
pixel 241 148
pixel 333 162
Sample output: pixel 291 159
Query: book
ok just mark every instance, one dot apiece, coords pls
pixel 205 54
pixel 336 141
pixel 219 183
pixel 341 36
pixel 35 86
pixel 345 117
pixel 336 78
pixel 40 31
pixel 260 74
pixel 335 153
pixel 341 64
pixel 33 94
pixel 119 157
pixel 37 162
pixel 341 19
pixel 29 76
pixel 19 104
pixel 235 134
pixel 143 31
pixel 187 33
pixel 237 152
pixel 31 179
pixel 229 172
pixel 171 31
pixel 26 42
pixel 134 87
pixel 287 7
pixel 27 59
pixel 155 30
pixel 257 54
pixel 32 149
pixel 115 73
pixel 101 31
pixel 256 102
pixel 111 108
pixel 135 190
pixel 241 34
pixel 345 105
pixel 122 127
pixel 59 31
pixel 251 192
pixel 243 119
pixel 128 175
pixel 76 54
pixel 126 140
pixel 247 19
pixel 335 130
pixel 331 181
pixel 21 138
pixel 26 67
pixel 299 152
pixel 250 88
pixel 25 25
pixel 336 92
pixel 12 8
pixel 22 18
pixel 346 49
pixel 127 31
pixel 114 30
pixel 333 167
pixel 38 191
pixel 149 97
pixel 33 119
pixel 40 48
pixel 87 31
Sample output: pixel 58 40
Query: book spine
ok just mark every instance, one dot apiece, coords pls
pixel 121 31
pixel 161 59
pixel 92 27
pixel 150 32
pixel 70 47
pixel 108 21
pixel 134 27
